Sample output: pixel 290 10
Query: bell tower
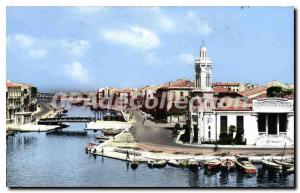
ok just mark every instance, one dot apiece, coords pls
pixel 203 92
pixel 203 68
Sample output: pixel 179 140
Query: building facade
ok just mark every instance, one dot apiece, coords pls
pixel 265 122
pixel 20 98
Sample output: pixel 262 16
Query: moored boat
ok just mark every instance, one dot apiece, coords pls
pixel 193 164
pixel 183 163
pixel 111 132
pixel 245 165
pixel 134 164
pixel 212 164
pixel 173 163
pixel 271 165
pixel 228 165
pixel 284 164
pixel 157 163
pixel 90 146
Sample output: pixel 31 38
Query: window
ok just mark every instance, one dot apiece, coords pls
pixel 181 94
pixel 261 123
pixel 240 122
pixel 282 122
pixel 223 124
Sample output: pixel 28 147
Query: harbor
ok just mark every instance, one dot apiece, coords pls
pixel 95 171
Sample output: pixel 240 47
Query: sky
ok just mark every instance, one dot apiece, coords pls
pixel 86 48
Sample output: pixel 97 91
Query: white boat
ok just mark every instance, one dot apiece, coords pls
pixel 173 163
pixel 271 165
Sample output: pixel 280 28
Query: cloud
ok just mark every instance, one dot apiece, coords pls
pixel 198 24
pixel 187 58
pixel 133 36
pixel 37 53
pixel 20 40
pixel 31 46
pixel 77 72
pixel 164 22
pixel 75 47
pixel 89 10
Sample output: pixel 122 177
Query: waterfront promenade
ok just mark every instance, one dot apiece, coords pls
pixel 154 141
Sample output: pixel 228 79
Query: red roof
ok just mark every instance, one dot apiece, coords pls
pixel 181 83
pixel 225 83
pixel 220 89
pixel 12 85
pixel 256 90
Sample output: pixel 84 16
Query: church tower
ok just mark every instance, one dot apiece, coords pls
pixel 204 93
pixel 203 71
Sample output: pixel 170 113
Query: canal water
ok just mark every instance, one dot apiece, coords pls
pixel 58 159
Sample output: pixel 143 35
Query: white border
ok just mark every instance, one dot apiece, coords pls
pixel 5 3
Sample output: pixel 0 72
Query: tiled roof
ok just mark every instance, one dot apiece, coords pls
pixel 220 89
pixel 181 83
pixel 225 83
pixel 256 90
pixel 12 85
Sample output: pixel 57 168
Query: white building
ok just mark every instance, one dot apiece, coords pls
pixel 266 122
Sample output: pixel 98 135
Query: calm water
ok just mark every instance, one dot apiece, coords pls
pixel 58 159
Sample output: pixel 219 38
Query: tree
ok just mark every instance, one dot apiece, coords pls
pixel 274 91
pixel 239 136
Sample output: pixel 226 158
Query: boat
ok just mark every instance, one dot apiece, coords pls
pixel 285 165
pixel 183 163
pixel 90 146
pixel 134 164
pixel 212 164
pixel 111 132
pixel 290 170
pixel 157 163
pixel 193 164
pixel 245 165
pixel 271 165
pixel 228 165
pixel 173 163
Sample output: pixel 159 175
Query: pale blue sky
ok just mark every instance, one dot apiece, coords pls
pixel 84 48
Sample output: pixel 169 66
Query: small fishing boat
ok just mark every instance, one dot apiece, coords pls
pixel 183 163
pixel 111 132
pixel 173 163
pixel 284 164
pixel 212 164
pixel 271 165
pixel 193 164
pixel 157 163
pixel 245 165
pixel 228 165
pixel 290 170
pixel 134 164
pixel 90 146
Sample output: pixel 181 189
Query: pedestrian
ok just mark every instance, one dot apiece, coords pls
pixel 127 155
pixel 102 151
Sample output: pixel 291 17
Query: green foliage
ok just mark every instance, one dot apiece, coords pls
pixel 232 129
pixel 176 112
pixel 186 136
pixel 276 91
